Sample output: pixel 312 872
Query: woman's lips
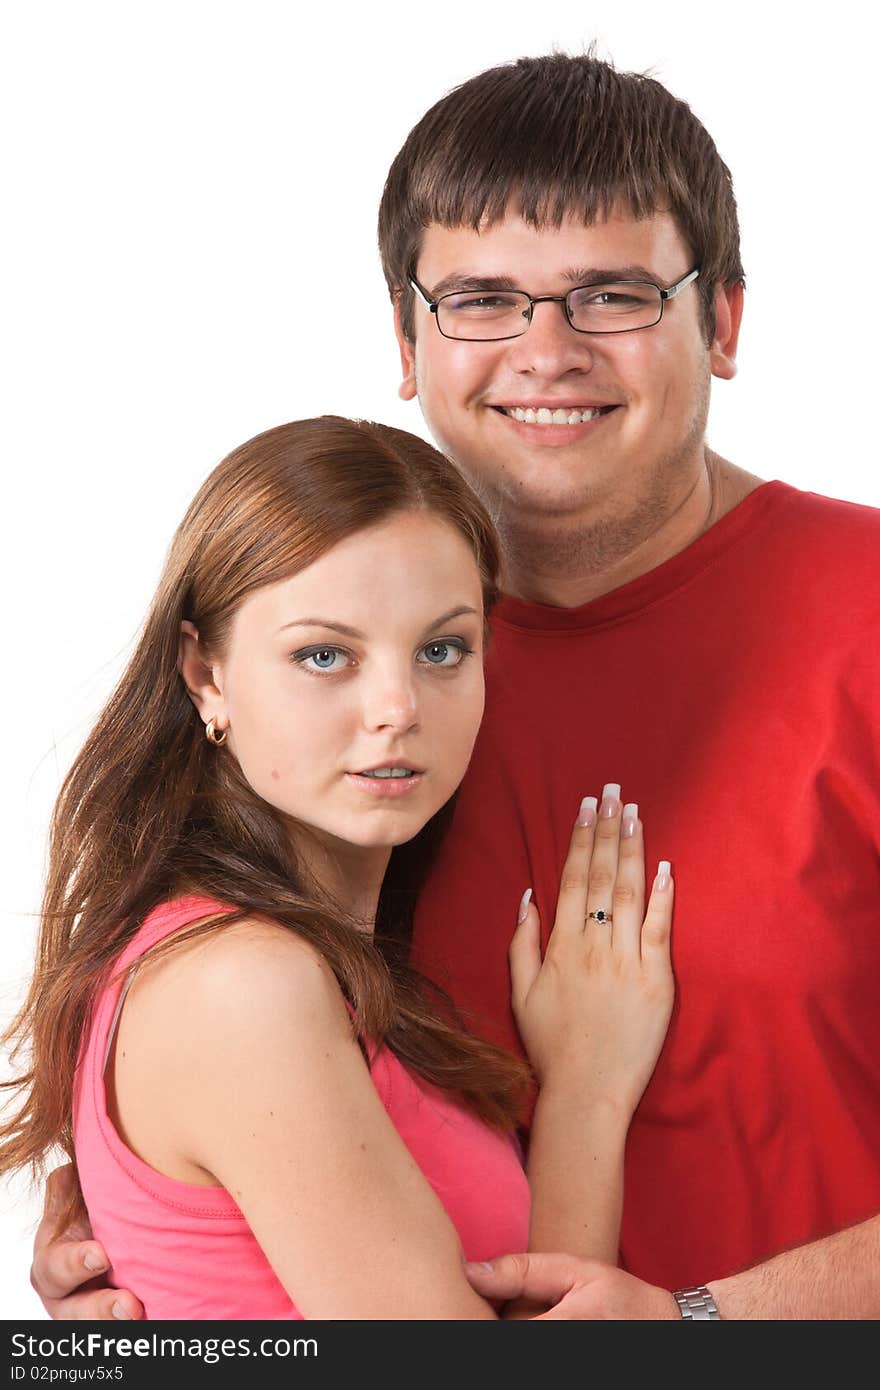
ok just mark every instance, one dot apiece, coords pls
pixel 386 786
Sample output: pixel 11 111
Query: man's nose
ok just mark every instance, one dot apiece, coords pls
pixel 550 346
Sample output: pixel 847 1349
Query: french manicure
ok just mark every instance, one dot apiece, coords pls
pixel 630 819
pixel 587 813
pixel 610 799
pixel 523 906
pixel 664 871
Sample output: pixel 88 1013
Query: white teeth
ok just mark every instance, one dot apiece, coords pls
pixel 388 772
pixel 545 416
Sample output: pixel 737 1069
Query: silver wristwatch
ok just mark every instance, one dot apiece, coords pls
pixel 696 1304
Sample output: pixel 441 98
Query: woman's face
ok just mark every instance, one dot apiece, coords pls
pixel 353 691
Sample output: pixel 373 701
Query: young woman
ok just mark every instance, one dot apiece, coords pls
pixel 271 1115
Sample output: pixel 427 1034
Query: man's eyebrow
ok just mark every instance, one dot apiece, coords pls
pixel 347 631
pixel 459 281
pixel 577 275
pixel 608 274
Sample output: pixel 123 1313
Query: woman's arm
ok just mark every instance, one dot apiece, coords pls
pixel 593 1015
pixel 256 1080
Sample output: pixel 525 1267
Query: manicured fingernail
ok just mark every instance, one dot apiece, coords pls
pixel 94 1263
pixel 119 1312
pixel 486 1265
pixel 523 906
pixel 610 799
pixel 664 869
pixel 587 813
pixel 630 819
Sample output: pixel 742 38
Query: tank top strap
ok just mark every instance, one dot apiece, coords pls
pixel 165 919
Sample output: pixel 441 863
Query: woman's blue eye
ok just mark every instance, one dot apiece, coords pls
pixel 322 659
pixel 445 653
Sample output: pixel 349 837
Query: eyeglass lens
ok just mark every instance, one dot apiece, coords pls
pixel 488 314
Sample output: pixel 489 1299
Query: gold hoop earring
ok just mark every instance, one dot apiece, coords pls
pixel 213 735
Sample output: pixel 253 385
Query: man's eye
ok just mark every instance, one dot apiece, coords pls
pixel 322 658
pixel 613 297
pixel 445 653
pixel 482 303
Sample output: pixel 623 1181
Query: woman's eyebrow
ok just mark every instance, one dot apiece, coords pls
pixel 323 622
pixel 347 631
pixel 453 613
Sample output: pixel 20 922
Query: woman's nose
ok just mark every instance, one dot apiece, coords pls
pixel 391 702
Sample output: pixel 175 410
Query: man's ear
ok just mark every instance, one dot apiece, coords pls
pixel 199 678
pixel 407 388
pixel 728 316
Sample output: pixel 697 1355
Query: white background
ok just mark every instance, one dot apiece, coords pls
pixel 190 191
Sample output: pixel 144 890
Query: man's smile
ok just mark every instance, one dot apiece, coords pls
pixel 553 425
pixel 535 414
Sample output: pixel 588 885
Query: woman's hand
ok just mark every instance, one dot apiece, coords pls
pixel 594 1013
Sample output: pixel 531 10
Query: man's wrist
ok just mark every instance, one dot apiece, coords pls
pixel 696 1304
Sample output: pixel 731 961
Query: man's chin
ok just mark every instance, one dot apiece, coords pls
pixel 549 494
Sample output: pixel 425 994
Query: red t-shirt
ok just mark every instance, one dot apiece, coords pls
pixel 734 692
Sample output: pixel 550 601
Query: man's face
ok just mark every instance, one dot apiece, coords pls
pixel 651 386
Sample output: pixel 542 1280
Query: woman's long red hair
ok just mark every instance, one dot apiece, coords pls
pixel 149 809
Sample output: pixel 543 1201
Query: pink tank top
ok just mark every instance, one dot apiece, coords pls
pixel 187 1251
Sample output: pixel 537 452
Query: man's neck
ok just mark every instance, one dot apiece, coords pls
pixel 566 570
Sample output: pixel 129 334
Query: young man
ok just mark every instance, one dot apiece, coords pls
pixel 561 245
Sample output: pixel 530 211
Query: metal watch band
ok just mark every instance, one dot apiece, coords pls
pixel 696 1304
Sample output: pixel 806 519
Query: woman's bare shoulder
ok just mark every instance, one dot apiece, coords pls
pixel 251 969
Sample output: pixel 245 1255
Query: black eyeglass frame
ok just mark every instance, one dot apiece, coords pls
pixel 669 293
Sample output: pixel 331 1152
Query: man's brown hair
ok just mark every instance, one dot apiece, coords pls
pixel 560 135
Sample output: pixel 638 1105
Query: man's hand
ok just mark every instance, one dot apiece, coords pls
pixel 67 1268
pixel 576 1289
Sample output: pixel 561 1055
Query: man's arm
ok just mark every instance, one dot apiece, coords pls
pixel 834 1278
pixel 838 1277
pixel 67 1268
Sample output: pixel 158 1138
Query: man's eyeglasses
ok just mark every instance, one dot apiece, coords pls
pixel 487 315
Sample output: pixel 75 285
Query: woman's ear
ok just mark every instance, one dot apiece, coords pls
pixel 199 678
